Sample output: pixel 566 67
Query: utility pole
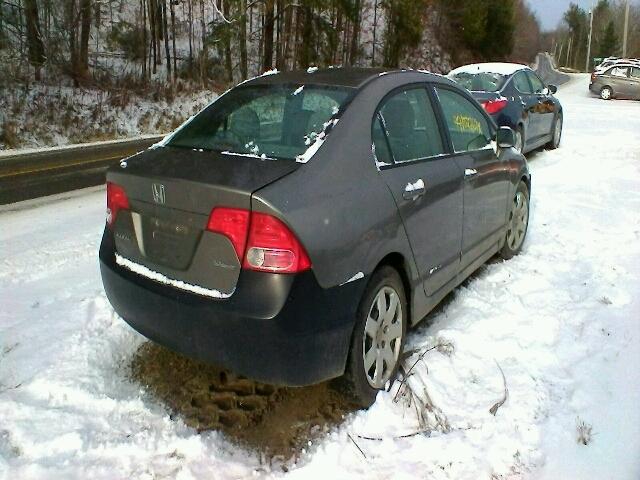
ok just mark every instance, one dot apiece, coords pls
pixel 569 52
pixel 586 68
pixel 626 31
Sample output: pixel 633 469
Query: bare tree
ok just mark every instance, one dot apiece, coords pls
pixel 72 28
pixel 355 33
pixel 143 12
pixel 85 28
pixel 34 39
pixel 173 39
pixel 242 38
pixel 227 47
pixel 165 31
pixel 267 63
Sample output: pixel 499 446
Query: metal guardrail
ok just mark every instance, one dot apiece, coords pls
pixel 547 71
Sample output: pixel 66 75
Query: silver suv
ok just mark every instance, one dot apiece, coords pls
pixel 619 81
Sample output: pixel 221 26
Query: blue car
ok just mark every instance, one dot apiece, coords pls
pixel 515 97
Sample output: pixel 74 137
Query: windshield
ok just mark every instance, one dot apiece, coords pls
pixel 275 121
pixel 481 81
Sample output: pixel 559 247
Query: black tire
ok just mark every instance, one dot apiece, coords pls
pixel 511 249
pixel 555 140
pixel 355 381
pixel 520 132
pixel 606 93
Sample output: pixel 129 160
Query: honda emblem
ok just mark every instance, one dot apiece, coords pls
pixel 158 193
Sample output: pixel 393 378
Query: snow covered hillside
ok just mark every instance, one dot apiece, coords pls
pixel 562 321
pixel 52 116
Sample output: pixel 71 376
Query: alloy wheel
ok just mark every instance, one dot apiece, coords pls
pixel 605 93
pixel 519 141
pixel 518 221
pixel 382 338
pixel 557 133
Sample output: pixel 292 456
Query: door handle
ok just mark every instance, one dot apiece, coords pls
pixel 414 190
pixel 470 172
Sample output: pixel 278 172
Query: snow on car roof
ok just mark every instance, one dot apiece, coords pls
pixel 499 68
pixel 617 65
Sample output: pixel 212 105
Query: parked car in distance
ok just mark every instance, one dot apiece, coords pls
pixel 515 97
pixel 620 81
pixel 294 229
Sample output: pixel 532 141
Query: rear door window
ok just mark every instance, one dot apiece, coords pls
pixel 521 83
pixel 468 128
pixel 411 126
pixel 618 71
pixel 635 73
pixel 537 84
pixel 380 145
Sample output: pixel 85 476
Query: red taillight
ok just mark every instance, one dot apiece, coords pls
pixel 262 242
pixel 494 106
pixel 116 200
pixel 272 247
pixel 233 223
pixel 593 77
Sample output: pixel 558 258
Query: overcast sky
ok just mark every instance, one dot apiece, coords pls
pixel 550 11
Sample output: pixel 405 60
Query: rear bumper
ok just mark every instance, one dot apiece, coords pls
pixel 280 329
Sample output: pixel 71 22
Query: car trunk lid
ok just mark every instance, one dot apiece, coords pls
pixel 171 193
pixel 492 102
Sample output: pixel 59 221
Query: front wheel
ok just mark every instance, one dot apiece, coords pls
pixel 518 223
pixel 378 337
pixel 519 146
pixel 556 133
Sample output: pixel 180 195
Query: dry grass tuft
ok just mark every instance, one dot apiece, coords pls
pixel 585 432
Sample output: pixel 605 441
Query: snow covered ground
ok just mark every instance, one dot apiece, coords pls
pixel 562 320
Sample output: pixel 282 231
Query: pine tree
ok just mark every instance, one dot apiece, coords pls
pixel 403 29
pixel 577 20
pixel 497 34
pixel 610 43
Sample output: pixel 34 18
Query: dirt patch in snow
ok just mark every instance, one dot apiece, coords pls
pixel 273 421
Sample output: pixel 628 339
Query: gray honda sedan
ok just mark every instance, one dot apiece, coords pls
pixel 294 229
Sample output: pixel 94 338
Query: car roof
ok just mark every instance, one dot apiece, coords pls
pixel 620 60
pixel 492 67
pixel 622 65
pixel 353 77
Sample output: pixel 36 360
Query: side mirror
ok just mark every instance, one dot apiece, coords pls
pixel 552 88
pixel 506 137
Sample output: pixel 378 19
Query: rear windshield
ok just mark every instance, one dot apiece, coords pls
pixel 481 81
pixel 275 121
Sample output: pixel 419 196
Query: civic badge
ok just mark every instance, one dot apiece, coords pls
pixel 158 193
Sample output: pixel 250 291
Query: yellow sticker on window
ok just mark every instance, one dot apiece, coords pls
pixel 467 124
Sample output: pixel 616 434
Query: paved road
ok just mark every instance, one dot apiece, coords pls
pixel 45 172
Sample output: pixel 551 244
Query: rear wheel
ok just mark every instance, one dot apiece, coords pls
pixel 378 337
pixel 606 93
pixel 556 133
pixel 518 223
